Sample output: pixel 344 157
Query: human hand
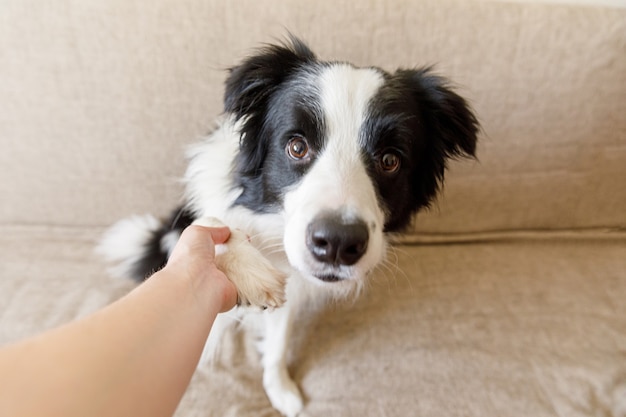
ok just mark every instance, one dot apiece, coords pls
pixel 194 258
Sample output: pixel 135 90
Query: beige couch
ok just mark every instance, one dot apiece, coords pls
pixel 506 299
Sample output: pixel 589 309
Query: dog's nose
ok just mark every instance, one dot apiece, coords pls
pixel 334 241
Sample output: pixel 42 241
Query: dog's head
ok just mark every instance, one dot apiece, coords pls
pixel 345 154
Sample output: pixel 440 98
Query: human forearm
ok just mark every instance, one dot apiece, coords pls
pixel 145 346
pixel 135 357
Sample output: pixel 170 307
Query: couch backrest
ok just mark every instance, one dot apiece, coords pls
pixel 100 98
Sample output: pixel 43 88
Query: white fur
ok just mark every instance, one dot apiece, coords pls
pixel 208 191
pixel 124 243
pixel 169 240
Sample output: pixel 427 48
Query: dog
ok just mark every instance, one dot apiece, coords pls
pixel 313 165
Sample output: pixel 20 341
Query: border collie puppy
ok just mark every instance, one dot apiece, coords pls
pixel 312 165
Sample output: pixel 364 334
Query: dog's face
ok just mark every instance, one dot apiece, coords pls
pixel 345 154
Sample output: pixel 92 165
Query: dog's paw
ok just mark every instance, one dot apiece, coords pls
pixel 283 393
pixel 258 282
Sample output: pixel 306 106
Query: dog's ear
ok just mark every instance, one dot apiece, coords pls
pixel 449 126
pixel 248 91
pixel 250 84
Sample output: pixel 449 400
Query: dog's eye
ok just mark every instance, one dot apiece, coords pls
pixel 297 148
pixel 389 163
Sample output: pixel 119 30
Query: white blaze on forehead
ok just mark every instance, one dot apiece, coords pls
pixel 345 95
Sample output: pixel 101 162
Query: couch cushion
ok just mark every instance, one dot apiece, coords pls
pixel 99 98
pixel 526 328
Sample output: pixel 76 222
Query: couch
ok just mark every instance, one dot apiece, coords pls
pixel 506 298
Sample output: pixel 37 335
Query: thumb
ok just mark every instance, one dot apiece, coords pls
pixel 198 238
pixel 218 234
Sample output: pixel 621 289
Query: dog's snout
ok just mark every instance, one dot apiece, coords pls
pixel 334 241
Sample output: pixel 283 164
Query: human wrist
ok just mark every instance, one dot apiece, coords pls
pixel 208 286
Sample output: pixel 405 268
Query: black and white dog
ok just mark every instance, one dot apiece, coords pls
pixel 314 162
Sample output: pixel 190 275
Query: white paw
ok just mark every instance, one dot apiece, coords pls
pixel 258 283
pixel 283 393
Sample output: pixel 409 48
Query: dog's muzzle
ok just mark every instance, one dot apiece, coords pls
pixel 336 242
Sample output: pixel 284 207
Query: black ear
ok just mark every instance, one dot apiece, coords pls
pixel 250 84
pixel 449 126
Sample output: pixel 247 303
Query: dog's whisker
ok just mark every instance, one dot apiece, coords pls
pixel 274 251
pixel 394 267
pixel 267 244
pixel 384 273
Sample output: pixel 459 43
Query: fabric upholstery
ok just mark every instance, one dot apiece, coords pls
pixel 101 97
pixel 505 299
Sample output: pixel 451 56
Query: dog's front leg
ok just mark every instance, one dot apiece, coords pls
pixel 280 388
